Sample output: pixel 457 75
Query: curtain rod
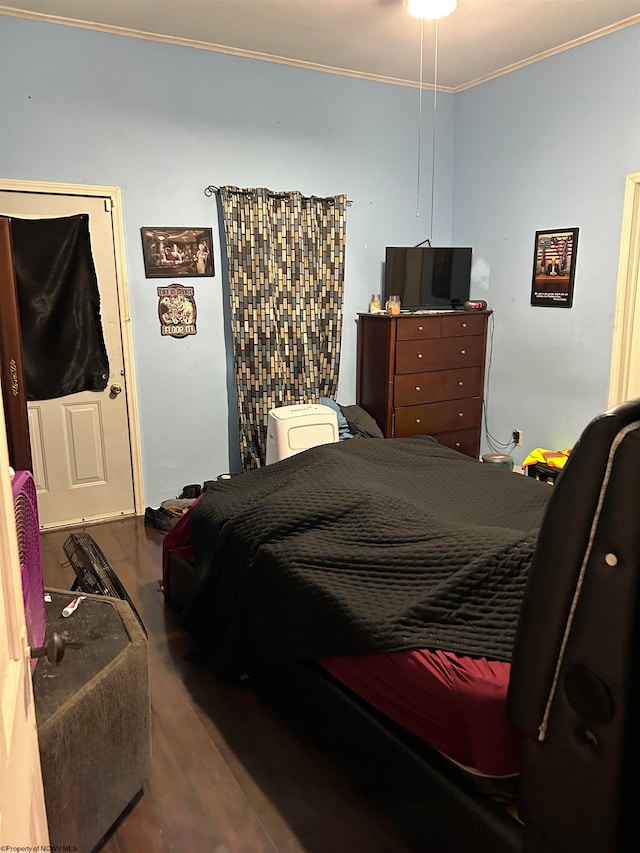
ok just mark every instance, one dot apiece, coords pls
pixel 211 190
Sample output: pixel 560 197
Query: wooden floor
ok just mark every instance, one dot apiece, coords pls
pixel 227 773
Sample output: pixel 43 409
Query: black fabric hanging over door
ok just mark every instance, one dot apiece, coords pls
pixel 63 347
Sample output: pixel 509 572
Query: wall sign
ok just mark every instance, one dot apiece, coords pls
pixel 177 311
pixel 554 267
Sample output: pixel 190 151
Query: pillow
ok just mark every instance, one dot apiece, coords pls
pixel 361 422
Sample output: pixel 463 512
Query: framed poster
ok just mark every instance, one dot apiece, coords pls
pixel 554 260
pixel 177 252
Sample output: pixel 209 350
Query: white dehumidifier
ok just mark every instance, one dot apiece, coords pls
pixel 292 429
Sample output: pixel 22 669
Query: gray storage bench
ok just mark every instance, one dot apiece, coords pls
pixel 93 717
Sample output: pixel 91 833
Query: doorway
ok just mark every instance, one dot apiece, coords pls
pixel 85 447
pixel 625 359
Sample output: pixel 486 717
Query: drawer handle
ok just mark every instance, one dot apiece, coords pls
pixel 463 352
pixel 419 355
pixel 458 444
pixel 418 388
pixel 421 328
pixel 461 383
pixel 417 420
pixel 460 414
pixel 464 325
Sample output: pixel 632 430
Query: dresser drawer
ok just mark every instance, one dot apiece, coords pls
pixel 434 418
pixel 462 324
pixel 439 354
pixel 464 440
pixel 411 389
pixel 419 328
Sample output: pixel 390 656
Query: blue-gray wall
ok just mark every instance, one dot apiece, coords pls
pixel 548 146
pixel 162 122
pixel 545 147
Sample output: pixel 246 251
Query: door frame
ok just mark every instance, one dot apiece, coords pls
pixel 113 197
pixel 624 382
pixel 23 818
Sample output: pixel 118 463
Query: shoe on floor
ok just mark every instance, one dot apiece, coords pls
pixel 191 491
pixel 178 505
pixel 161 518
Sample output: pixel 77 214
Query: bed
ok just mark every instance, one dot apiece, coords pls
pixel 330 575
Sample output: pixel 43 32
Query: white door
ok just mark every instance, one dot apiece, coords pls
pixel 23 821
pixel 80 444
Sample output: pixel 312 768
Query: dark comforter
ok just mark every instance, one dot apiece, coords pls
pixel 361 547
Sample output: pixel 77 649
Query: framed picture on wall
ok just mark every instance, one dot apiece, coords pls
pixel 554 267
pixel 177 252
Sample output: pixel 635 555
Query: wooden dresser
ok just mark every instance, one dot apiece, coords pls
pixel 424 374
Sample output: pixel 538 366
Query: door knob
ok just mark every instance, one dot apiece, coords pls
pixel 115 389
pixel 53 649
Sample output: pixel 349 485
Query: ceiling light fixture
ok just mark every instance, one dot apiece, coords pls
pixel 431 10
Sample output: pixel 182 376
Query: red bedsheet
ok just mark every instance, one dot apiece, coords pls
pixel 457 704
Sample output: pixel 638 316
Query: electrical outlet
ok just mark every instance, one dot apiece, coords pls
pixel 517 437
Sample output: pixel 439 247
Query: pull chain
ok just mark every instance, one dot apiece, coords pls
pixel 420 117
pixel 435 112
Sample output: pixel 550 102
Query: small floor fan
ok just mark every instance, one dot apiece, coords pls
pixel 94 573
pixel 25 503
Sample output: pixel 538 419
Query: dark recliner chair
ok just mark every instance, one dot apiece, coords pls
pixel 575 680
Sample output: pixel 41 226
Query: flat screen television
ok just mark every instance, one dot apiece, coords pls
pixel 426 277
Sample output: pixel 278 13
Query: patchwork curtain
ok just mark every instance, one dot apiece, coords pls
pixel 286 279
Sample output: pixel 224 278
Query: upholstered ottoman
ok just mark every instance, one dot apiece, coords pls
pixel 93 716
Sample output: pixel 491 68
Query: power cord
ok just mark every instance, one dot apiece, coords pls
pixel 494 443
